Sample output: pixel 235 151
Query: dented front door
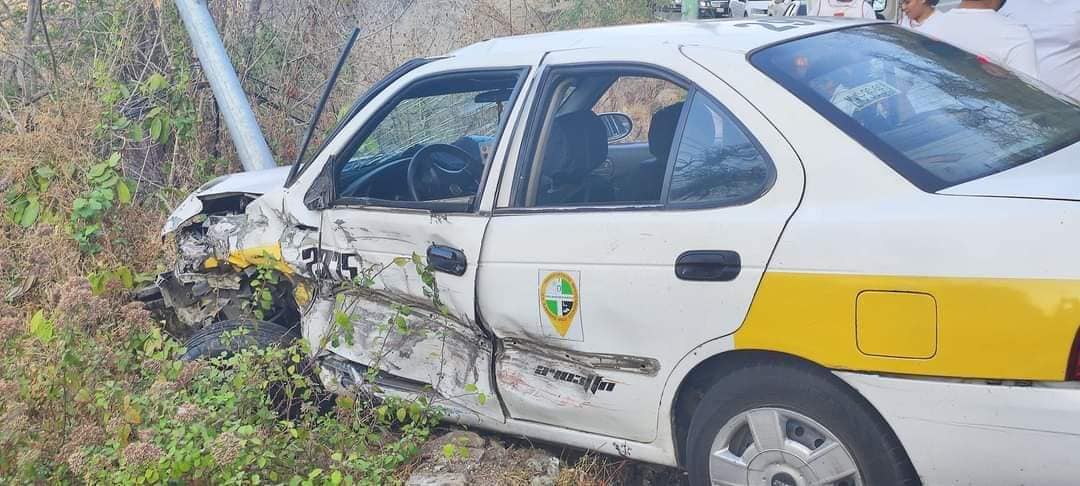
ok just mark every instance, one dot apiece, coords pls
pixel 392 312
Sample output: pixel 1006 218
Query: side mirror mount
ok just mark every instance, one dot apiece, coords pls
pixel 321 192
pixel 619 125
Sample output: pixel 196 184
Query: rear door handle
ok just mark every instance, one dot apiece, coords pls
pixel 446 259
pixel 708 266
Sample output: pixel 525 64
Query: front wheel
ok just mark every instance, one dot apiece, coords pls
pixel 787 424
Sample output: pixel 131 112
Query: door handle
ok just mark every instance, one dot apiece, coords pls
pixel 708 266
pixel 446 259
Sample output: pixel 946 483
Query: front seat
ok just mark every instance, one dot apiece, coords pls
pixel 576 147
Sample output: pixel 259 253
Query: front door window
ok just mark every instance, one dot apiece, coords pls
pixel 432 145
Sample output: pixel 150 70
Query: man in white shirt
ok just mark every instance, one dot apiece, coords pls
pixel 1055 26
pixel 977 27
pixel 842 8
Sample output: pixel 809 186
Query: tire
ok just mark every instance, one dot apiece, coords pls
pixel 212 341
pixel 811 412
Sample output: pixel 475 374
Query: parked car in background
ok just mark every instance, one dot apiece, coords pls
pixel 750 8
pixel 707 9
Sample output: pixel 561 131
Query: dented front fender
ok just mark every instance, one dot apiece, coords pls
pixel 244 186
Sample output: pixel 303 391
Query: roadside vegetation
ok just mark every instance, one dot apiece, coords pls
pixel 106 123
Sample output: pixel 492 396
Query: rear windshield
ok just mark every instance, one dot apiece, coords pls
pixel 936 114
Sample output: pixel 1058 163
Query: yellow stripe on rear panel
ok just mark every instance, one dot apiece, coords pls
pixel 985 328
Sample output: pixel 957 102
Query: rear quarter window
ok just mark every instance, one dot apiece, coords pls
pixel 938 115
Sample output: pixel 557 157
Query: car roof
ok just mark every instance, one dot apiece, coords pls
pixel 741 35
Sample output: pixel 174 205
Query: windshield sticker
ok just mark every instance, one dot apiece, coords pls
pixel 560 302
pixel 851 100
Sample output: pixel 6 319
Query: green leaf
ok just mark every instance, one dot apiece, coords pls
pixel 45 172
pixel 448 450
pixel 97 281
pixel 245 430
pixel 124 192
pixel 335 477
pixel 165 128
pixel 125 276
pixel 401 414
pixel 97 170
pixel 30 214
pixel 345 402
pixel 40 327
pixel 155 128
pixel 156 82
pixel 470 388
pixel 135 131
pixel 113 160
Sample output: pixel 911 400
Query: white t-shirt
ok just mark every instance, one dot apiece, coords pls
pixel 842 8
pixel 1055 26
pixel 986 32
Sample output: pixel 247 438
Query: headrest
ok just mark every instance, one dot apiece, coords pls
pixel 662 130
pixel 578 145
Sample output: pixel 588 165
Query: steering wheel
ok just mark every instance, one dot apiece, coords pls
pixel 450 167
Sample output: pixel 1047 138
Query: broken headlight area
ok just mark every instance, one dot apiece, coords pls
pixel 213 281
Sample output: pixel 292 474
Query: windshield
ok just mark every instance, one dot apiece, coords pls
pixel 936 114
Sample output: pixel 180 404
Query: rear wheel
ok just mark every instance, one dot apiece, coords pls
pixel 787 424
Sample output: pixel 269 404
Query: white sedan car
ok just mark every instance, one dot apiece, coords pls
pixel 750 8
pixel 777 251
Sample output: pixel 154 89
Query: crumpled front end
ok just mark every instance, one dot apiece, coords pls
pixel 229 254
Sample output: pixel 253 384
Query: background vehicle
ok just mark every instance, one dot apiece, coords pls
pixel 809 212
pixel 707 9
pixel 750 8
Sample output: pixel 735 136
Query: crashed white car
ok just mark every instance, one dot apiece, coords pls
pixel 778 252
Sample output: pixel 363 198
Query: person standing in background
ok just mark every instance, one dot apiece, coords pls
pixel 1055 26
pixel 917 13
pixel 977 27
pixel 842 8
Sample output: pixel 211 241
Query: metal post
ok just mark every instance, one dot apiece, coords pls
pixel 689 9
pixel 239 119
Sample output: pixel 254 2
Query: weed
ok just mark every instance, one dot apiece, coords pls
pixel 105 188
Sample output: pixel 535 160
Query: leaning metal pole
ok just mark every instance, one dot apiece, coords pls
pixel 239 119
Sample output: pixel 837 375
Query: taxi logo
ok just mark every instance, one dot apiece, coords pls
pixel 559 304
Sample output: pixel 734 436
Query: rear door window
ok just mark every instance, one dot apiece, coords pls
pixel 716 163
pixel 938 115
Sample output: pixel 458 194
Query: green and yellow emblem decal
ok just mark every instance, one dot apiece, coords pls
pixel 560 302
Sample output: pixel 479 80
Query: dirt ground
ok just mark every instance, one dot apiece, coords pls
pixel 492 459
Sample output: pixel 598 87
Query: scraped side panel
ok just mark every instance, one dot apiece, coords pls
pixel 552 385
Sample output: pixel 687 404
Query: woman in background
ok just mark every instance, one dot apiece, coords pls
pixel 917 13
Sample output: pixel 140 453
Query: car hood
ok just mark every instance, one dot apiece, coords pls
pixel 254 183
pixel 1056 176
